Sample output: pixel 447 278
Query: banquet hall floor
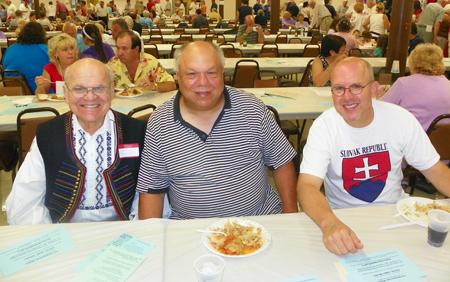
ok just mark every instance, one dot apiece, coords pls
pixel 6 184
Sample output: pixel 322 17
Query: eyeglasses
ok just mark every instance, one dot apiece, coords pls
pixel 354 89
pixel 79 91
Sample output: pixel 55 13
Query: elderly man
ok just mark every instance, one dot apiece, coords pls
pixel 228 138
pixel 252 30
pixel 78 161
pixel 430 21
pixel 321 16
pixel 287 21
pixel 101 13
pixel 131 66
pixel 71 29
pixel 358 151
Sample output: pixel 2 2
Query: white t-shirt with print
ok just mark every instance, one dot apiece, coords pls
pixel 362 166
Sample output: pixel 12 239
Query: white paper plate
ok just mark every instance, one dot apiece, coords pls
pixel 120 91
pixel 56 100
pixel 266 237
pixel 421 217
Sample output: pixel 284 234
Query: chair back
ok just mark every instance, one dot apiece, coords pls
pixel 26 128
pixel 12 90
pixel 243 73
pixel 259 82
pixel 281 38
pixel 156 39
pixel 233 53
pixel 269 51
pixel 316 39
pixel 16 79
pixel 204 29
pixel 226 46
pixel 295 40
pixel 150 107
pixel 439 134
pixel 305 77
pixel 275 114
pixel 173 49
pixel 184 38
pixel 178 31
pixel 151 49
pixel 384 76
pixel 155 30
pixel 311 50
pixel 355 52
pixel 10 41
pixel 220 38
pixel 8 152
pixel 315 31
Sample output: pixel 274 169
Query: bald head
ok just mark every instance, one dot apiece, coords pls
pixel 249 20
pixel 70 29
pixel 79 70
pixel 198 48
pixel 354 62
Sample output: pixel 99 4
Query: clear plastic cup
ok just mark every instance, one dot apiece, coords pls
pixel 438 227
pixel 209 268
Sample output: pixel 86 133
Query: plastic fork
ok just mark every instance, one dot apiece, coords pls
pixel 411 209
pixel 210 231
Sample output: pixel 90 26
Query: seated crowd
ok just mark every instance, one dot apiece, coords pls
pixel 80 167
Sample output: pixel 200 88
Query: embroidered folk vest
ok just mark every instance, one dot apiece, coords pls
pixel 65 174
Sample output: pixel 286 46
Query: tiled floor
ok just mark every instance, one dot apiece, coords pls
pixel 5 188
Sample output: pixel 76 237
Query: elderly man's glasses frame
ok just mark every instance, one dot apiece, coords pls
pixel 79 91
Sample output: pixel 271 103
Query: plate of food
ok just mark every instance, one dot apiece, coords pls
pixel 55 98
pixel 130 92
pixel 420 207
pixel 244 238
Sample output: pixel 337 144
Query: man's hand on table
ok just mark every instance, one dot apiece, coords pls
pixel 340 239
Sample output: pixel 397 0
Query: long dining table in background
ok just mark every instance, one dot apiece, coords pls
pixel 311 102
pixel 296 248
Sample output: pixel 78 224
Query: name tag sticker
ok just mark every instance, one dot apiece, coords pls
pixel 129 151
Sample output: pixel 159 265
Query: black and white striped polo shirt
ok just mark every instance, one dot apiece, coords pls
pixel 223 174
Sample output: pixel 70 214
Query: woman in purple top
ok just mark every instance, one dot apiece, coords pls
pixel 426 92
pixel 97 49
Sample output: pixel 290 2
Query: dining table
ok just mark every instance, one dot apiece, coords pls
pixel 310 103
pixel 295 248
pixel 268 38
pixel 255 49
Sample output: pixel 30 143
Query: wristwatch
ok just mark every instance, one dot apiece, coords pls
pixel 156 86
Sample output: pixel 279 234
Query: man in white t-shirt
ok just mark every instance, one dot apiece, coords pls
pixel 356 150
pixel 10 9
pixel 192 8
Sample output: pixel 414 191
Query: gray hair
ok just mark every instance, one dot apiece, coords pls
pixel 180 50
pixel 129 21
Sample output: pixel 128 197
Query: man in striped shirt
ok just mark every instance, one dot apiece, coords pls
pixel 209 146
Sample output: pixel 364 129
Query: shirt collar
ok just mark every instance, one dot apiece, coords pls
pixel 107 124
